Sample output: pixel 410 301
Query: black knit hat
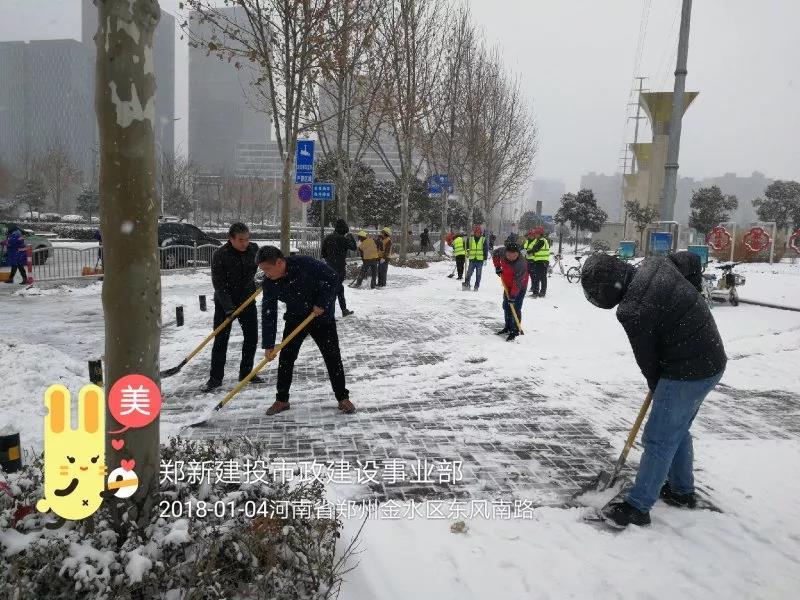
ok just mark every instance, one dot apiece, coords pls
pixel 341 227
pixel 605 279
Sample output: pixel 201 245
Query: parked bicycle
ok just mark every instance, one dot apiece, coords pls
pixel 557 262
pixel 574 273
pixel 723 288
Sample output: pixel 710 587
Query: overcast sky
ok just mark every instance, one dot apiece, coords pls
pixel 576 60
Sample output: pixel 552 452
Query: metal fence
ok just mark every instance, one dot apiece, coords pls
pixel 52 264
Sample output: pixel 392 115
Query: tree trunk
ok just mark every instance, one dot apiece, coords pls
pixel 577 232
pixel 124 101
pixel 286 188
pixel 442 233
pixel 405 189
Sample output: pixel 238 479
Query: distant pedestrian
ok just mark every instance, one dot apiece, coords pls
pixel 16 257
pixel 513 270
pixel 334 251
pixel 385 249
pixel 424 242
pixel 477 253
pixel 369 259
pixel 460 253
pixel 537 249
pixel 492 240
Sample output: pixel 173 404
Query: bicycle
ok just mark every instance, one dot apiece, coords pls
pixel 574 273
pixel 557 262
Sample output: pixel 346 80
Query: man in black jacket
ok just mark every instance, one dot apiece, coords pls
pixel 233 268
pixel 306 285
pixel 334 252
pixel 679 350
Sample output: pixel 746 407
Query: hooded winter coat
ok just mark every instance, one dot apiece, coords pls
pixel 514 273
pixel 669 325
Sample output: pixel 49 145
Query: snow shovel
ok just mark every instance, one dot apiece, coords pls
pixel 453 274
pixel 262 363
pixel 511 306
pixel 604 479
pixel 211 336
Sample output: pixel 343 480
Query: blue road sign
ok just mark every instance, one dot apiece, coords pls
pixel 439 182
pixel 323 191
pixel 304 162
pixel 547 218
pixel 304 193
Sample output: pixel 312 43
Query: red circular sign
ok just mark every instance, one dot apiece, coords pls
pixel 718 238
pixel 757 239
pixel 134 400
pixel 794 241
pixel 304 193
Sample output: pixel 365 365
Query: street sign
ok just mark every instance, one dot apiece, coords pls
pixel 323 191
pixel 304 193
pixel 547 218
pixel 439 182
pixel 304 162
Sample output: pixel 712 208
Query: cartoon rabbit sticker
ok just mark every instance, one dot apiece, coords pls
pixel 74 459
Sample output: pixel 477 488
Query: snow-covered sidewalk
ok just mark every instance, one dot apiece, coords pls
pixel 531 420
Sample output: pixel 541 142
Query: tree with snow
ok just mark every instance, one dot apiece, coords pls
pixel 642 216
pixel 582 212
pixel 32 194
pixel 88 202
pixel 781 204
pixel 709 208
pixel 124 92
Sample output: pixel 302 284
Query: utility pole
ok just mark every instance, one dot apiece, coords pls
pixel 671 166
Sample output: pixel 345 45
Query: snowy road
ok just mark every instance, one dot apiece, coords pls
pixel 531 419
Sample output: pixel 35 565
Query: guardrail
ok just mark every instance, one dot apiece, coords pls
pixel 53 264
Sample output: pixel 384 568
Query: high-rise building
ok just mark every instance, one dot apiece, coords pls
pixel 607 191
pixel 164 59
pixel 226 133
pixel 549 191
pixel 46 102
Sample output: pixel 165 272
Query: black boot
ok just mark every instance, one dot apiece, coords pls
pixel 512 336
pixel 503 331
pixel 211 384
pixel 347 313
pixel 255 379
pixel 675 499
pixel 621 514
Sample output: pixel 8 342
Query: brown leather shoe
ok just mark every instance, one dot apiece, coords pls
pixel 277 407
pixel 346 406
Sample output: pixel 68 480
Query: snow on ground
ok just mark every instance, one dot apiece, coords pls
pixel 580 357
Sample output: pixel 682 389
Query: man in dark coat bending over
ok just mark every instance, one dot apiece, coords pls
pixel 306 285
pixel 679 351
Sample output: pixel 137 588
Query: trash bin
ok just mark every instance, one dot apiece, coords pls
pixel 660 243
pixel 702 251
pixel 10 452
pixel 627 249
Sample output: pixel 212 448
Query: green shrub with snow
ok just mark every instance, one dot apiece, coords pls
pixel 210 557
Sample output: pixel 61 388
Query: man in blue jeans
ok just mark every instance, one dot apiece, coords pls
pixel 679 350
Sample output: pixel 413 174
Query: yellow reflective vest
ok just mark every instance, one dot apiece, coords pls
pixel 476 248
pixel 458 247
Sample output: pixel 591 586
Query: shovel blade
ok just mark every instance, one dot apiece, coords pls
pixel 172 371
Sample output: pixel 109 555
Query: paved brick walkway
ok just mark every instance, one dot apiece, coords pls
pixel 514 442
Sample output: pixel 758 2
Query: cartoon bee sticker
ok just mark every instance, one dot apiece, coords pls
pixel 74 459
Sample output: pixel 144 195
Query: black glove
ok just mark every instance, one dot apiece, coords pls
pixel 499 271
pixel 229 313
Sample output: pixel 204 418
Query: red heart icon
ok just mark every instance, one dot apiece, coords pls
pixel 128 464
pixel 117 444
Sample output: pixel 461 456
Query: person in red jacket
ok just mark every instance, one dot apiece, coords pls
pixel 513 270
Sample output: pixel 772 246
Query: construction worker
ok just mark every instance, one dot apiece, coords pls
pixel 538 250
pixel 306 285
pixel 233 269
pixel 459 252
pixel 385 249
pixel 513 270
pixel 369 257
pixel 477 253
